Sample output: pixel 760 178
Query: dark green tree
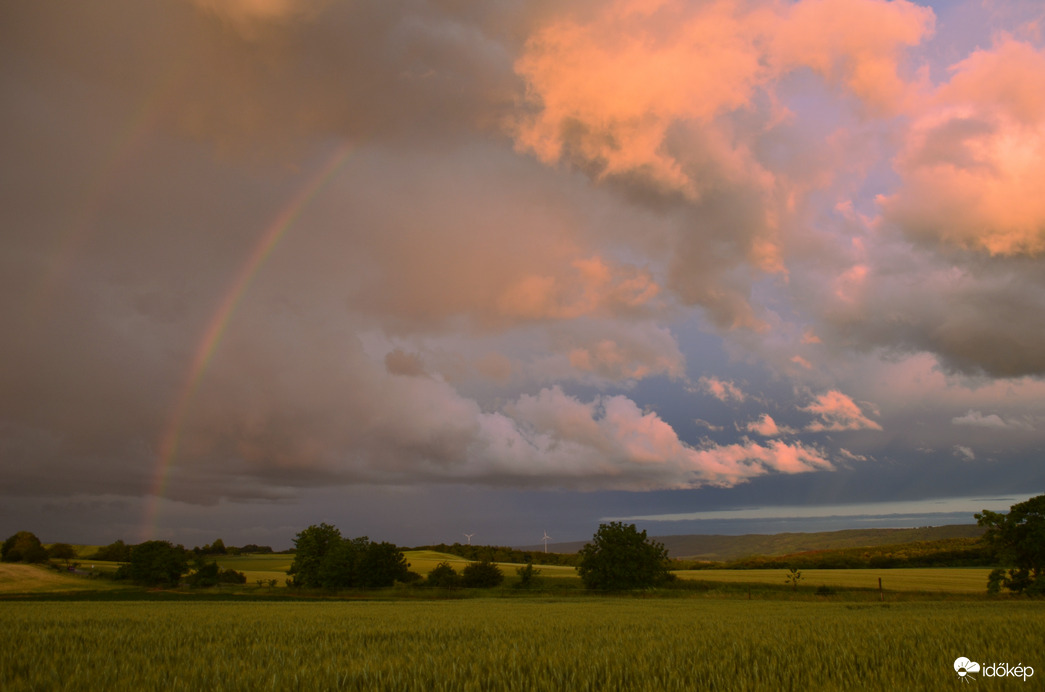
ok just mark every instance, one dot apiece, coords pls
pixel 620 557
pixel 382 564
pixel 311 547
pixel 443 576
pixel 155 563
pixel 24 546
pixel 62 551
pixel 527 575
pixel 340 568
pixel 1017 541
pixel 208 574
pixel 205 575
pixel 114 552
pixel 481 575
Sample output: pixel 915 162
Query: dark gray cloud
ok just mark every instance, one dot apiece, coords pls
pixel 512 286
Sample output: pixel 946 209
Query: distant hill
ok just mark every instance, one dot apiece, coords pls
pixel 723 548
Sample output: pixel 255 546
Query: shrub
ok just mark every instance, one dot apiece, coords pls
pixel 527 576
pixel 443 576
pixel 481 575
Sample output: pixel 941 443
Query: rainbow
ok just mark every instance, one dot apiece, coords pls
pixel 219 321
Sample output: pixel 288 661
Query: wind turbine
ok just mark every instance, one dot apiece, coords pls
pixel 469 537
pixel 546 539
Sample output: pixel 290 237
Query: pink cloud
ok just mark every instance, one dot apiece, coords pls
pixel 593 287
pixel 855 43
pixel 974 159
pixel 610 443
pixel 836 411
pixel 723 390
pixel 767 427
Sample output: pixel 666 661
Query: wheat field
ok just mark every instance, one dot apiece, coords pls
pixel 518 644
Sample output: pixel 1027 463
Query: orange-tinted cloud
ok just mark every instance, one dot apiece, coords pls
pixel 856 43
pixel 836 411
pixel 976 155
pixel 723 390
pixel 767 427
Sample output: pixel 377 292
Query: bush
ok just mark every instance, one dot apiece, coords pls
pixel 443 576
pixel 208 574
pixel 527 576
pixel 481 575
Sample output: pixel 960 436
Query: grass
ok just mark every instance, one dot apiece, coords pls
pixel 527 644
pixel 16 578
pixel 929 579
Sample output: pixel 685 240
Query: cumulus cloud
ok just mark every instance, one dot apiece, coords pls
pixel 723 390
pixel 973 155
pixel 610 442
pixel 669 99
pixel 836 411
pixel 767 427
pixel 964 453
pixel 533 197
pixel 976 419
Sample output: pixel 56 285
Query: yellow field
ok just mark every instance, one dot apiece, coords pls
pixel 275 566
pixel 948 579
pixel 37 579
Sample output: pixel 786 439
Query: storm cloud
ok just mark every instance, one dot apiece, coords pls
pixel 254 249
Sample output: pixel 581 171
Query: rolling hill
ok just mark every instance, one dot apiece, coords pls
pixel 722 548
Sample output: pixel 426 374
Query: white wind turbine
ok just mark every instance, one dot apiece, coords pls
pixel 469 537
pixel 546 539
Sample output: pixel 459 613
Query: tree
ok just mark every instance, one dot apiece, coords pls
pixel 155 563
pixel 208 574
pixel 311 547
pixel 481 575
pixel 61 551
pixel 382 564
pixel 340 567
pixel 114 552
pixel 443 576
pixel 1017 541
pixel 792 577
pixel 620 557
pixel 324 559
pixel 24 546
pixel 527 575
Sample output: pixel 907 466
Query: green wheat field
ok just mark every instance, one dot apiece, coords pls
pixel 717 630
pixel 520 644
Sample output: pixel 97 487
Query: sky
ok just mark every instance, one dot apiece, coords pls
pixel 417 268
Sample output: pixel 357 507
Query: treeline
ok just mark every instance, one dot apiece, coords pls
pixel 947 552
pixel 323 558
pixel 118 551
pixel 497 553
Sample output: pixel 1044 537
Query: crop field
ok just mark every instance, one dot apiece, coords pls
pixel 528 644
pixel 275 566
pixel 16 578
pixel 945 579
